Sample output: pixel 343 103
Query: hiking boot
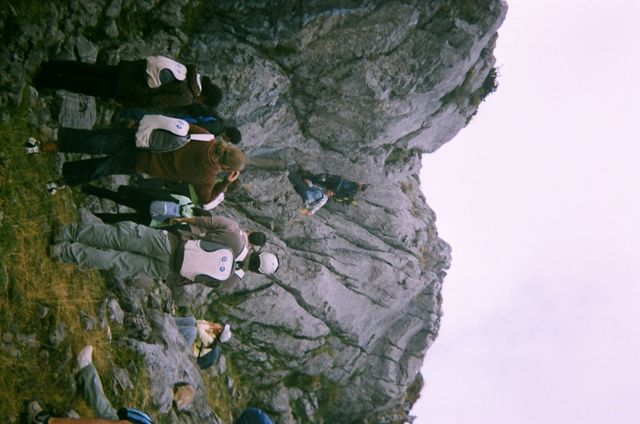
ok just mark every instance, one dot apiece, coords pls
pixel 35 413
pixel 54 186
pixel 32 146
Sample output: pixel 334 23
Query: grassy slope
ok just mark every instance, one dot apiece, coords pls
pixel 29 281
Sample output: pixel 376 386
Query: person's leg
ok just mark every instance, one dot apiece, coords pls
pixel 187 328
pixel 76 68
pixel 91 386
pixel 101 141
pixel 135 199
pixel 104 88
pixel 122 264
pixel 83 171
pixel 114 218
pixel 86 78
pixel 124 236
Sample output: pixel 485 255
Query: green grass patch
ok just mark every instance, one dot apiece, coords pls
pixel 32 365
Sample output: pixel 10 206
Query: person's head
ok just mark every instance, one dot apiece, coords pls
pixel 257 238
pixel 362 187
pixel 231 135
pixel 230 158
pixel 211 94
pixel 329 193
pixel 263 262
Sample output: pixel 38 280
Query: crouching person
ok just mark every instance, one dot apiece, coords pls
pixel 204 338
pixel 210 251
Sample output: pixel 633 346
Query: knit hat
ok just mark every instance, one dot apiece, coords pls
pixel 268 263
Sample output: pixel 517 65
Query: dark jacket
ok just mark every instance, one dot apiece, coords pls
pixel 133 90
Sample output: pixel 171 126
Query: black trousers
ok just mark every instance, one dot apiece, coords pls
pixel 85 78
pixel 132 197
pixel 117 144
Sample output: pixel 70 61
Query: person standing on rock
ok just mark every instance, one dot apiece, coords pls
pixel 160 147
pixel 208 251
pixel 91 386
pixel 154 81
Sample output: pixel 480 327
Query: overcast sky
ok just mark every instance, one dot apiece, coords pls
pixel 539 199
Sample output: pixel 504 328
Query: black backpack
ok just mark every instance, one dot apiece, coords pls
pixel 211 357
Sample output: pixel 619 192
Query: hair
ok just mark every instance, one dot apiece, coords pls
pixel 211 94
pixel 234 134
pixel 257 238
pixel 229 158
pixel 254 262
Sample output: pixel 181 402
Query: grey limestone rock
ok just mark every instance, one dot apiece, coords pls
pixel 58 333
pixel 360 89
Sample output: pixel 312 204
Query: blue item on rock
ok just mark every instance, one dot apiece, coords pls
pixel 253 416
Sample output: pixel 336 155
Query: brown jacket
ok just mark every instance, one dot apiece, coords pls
pixel 195 163
pixel 134 91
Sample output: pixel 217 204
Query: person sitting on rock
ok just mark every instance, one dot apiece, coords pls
pixel 313 196
pixel 154 81
pixel 161 147
pixel 211 250
pixel 89 382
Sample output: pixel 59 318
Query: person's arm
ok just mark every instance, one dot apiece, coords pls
pixel 196 129
pixel 222 186
pixel 315 206
pixel 210 223
pixel 172 94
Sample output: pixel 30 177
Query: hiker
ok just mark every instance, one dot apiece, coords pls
pixel 204 338
pixel 313 196
pixel 160 147
pixel 154 81
pixel 204 250
pixel 344 190
pixel 202 115
pixel 89 382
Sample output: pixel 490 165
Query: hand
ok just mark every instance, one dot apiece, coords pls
pixel 233 176
pixel 176 220
pixel 305 212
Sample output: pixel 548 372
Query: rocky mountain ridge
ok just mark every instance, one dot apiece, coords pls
pixel 359 89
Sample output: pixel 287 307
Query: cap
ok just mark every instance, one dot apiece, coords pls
pixel 268 263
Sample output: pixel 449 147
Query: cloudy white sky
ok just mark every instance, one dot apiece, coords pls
pixel 539 199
